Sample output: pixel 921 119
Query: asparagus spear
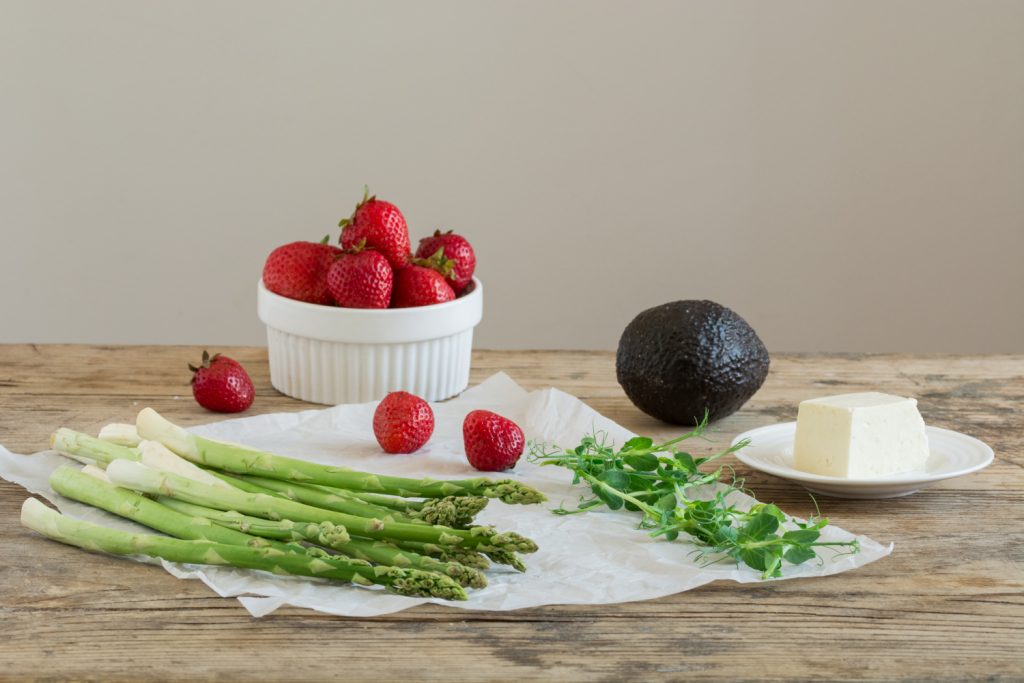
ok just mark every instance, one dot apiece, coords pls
pixel 56 526
pixel 239 459
pixel 446 553
pixel 387 553
pixel 384 500
pixel 277 529
pixel 141 478
pixel 453 511
pixel 325 534
pixel 334 499
pixel 86 488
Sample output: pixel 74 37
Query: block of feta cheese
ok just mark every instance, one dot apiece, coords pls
pixel 859 436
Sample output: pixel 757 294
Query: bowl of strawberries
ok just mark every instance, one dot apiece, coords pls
pixel 350 323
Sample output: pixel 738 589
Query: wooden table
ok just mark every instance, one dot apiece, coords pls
pixel 948 604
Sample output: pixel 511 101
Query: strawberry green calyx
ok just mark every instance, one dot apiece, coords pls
pixel 205 363
pixel 367 198
pixel 357 247
pixel 439 262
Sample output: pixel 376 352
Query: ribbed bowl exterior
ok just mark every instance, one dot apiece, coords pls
pixel 331 355
pixel 338 372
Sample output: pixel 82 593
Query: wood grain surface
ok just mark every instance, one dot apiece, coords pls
pixel 948 604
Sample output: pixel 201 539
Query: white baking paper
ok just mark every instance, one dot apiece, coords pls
pixel 593 558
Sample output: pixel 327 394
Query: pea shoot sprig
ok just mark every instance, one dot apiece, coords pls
pixel 655 479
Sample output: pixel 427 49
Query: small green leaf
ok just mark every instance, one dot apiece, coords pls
pixel 774 511
pixel 617 479
pixel 724 535
pixel 799 554
pixel 639 484
pixel 773 565
pixel 666 502
pixel 642 463
pixel 756 558
pixel 608 497
pixel 685 460
pixel 801 536
pixel 638 443
pixel 760 526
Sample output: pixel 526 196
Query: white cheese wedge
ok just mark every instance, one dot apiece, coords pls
pixel 859 436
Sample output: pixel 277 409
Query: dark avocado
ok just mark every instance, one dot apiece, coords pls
pixel 680 358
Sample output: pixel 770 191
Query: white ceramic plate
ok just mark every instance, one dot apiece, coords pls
pixel 952 455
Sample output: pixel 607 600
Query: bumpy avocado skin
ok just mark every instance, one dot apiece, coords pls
pixel 679 358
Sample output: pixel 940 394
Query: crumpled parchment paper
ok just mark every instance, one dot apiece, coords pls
pixel 593 558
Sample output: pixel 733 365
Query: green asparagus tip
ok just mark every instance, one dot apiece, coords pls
pixel 506 557
pixel 506 541
pixel 466 576
pixel 453 511
pixel 466 557
pixel 514 493
pixel 416 583
pixel 331 535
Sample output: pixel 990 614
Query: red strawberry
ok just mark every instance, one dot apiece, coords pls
pixel 383 227
pixel 221 384
pixel 299 271
pixel 402 422
pixel 457 249
pixel 361 279
pixel 420 286
pixel 493 443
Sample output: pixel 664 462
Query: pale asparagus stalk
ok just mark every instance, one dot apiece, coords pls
pixel 120 434
pixel 151 453
pixel 159 457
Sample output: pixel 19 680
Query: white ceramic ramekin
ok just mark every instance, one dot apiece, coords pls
pixel 326 354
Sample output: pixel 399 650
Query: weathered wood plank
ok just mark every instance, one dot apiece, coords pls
pixel 947 605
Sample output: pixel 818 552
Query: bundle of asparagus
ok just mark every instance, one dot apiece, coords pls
pixel 226 504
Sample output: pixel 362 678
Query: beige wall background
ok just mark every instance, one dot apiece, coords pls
pixel 848 176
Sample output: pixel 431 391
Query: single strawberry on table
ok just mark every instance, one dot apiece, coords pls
pixel 493 443
pixel 361 278
pixel 298 270
pixel 221 384
pixel 402 422
pixel 383 227
pixel 456 249
pixel 417 285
